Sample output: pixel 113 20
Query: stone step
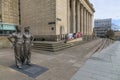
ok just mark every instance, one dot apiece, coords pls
pixel 49 47
pixel 48 44
pixel 54 46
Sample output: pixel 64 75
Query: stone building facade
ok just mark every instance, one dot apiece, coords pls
pixel 0 11
pixel 9 16
pixel 9 11
pixel 52 19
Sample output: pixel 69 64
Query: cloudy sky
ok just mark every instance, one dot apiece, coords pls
pixel 107 8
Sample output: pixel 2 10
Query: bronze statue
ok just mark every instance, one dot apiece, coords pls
pixel 18 46
pixel 28 38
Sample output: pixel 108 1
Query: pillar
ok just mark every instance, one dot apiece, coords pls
pixel 81 17
pixel 84 21
pixel 91 22
pixel 69 15
pixel 74 16
pixel 78 16
pixel 87 23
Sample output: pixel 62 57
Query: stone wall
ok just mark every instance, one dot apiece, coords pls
pixel 4 42
pixel 61 17
pixel 10 11
pixel 52 19
pixel 0 11
pixel 39 15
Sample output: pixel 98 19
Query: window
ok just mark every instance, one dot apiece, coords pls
pixel 6 29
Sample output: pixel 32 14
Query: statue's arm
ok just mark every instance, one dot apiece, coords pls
pixel 10 39
pixel 32 38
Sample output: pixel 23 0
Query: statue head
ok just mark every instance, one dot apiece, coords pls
pixel 26 29
pixel 18 28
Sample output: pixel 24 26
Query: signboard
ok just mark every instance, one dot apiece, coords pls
pixel 51 23
pixel 7 27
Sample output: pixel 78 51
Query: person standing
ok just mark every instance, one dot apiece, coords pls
pixel 28 38
pixel 18 46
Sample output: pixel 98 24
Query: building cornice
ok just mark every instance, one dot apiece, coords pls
pixel 90 5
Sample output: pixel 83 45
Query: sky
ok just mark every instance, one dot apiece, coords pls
pixel 107 9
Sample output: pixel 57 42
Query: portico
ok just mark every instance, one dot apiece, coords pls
pixel 80 13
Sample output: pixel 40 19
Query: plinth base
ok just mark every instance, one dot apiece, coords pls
pixel 32 71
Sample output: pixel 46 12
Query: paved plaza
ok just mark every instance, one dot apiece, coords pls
pixel 104 65
pixel 64 64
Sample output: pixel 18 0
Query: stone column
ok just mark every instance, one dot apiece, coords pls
pixel 83 21
pixel 81 17
pixel 86 22
pixel 89 25
pixel 74 16
pixel 84 27
pixel 91 22
pixel 69 15
pixel 78 16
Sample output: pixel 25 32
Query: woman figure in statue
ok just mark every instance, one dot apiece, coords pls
pixel 17 40
pixel 28 38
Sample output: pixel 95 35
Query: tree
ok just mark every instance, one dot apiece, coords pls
pixel 110 34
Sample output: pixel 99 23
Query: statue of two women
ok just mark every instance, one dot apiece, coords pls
pixel 22 46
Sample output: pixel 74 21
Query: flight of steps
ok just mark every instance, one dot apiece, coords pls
pixel 54 46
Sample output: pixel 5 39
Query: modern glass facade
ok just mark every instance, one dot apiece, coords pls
pixel 102 26
pixel 6 29
pixel 103 23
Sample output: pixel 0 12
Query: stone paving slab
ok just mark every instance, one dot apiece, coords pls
pixel 62 65
pixel 104 65
pixel 7 73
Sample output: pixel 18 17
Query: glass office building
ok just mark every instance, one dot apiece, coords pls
pixel 101 26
